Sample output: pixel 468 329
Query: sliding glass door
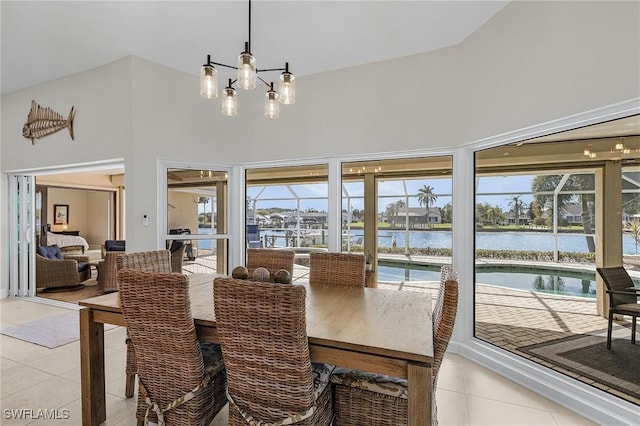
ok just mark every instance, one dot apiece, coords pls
pixel 21 226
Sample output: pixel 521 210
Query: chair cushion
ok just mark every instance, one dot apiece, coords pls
pixel 114 245
pixel 83 266
pixel 379 383
pixel 50 252
pixel 212 356
pixel 321 374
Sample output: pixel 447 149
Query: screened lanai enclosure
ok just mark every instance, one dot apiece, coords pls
pixel 394 207
pixel 548 212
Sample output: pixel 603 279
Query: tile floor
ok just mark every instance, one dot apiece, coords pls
pixel 34 377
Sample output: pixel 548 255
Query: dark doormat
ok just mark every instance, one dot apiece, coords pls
pixel 588 356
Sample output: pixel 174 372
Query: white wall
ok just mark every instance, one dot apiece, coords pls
pixel 531 63
pixel 100 223
pixel 185 214
pixel 88 213
pixel 102 125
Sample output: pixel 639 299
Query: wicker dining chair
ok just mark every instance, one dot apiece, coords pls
pixel 345 269
pixel 263 334
pixel 149 261
pixel 172 365
pixel 177 255
pixel 373 399
pixel 108 272
pixel 271 259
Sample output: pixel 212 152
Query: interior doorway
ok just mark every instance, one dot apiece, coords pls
pixel 76 208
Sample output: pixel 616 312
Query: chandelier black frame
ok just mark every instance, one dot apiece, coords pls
pixel 247 76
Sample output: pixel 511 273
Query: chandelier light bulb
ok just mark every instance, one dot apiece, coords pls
pixel 287 86
pixel 230 101
pixel 271 104
pixel 247 69
pixel 208 80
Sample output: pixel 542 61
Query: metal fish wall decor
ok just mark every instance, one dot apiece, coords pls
pixel 44 121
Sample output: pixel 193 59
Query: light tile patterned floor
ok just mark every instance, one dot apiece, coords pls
pixel 34 377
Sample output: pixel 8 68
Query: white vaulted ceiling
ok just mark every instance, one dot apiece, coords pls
pixel 45 40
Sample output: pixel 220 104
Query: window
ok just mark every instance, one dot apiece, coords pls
pixel 197 216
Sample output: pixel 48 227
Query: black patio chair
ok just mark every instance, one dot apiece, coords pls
pixel 623 297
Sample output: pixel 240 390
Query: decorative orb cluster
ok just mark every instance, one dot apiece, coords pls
pixel 282 276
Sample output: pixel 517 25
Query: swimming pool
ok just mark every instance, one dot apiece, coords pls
pixel 539 280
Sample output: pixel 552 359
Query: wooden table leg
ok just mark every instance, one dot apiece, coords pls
pixel 92 369
pixel 420 394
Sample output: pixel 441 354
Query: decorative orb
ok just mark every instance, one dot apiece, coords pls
pixel 240 273
pixel 261 274
pixel 282 276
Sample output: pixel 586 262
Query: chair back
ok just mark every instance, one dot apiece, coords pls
pixel 447 273
pixel 157 310
pixel 272 259
pixel 150 261
pixel 342 269
pixel 617 279
pixel 177 256
pixel 108 272
pixel 444 318
pixel 263 334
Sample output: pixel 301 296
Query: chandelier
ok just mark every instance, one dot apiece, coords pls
pixel 247 77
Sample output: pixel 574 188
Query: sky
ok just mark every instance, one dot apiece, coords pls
pixel 389 191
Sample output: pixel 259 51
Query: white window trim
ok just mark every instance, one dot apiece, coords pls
pixel 590 402
pixel 162 234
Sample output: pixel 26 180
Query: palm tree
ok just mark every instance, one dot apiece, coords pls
pixel 400 204
pixel 426 198
pixel 496 214
pixel 392 211
pixel 516 205
pixel 447 213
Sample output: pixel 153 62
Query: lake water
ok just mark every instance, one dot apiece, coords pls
pixel 484 240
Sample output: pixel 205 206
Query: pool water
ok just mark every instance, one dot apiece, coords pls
pixel 562 282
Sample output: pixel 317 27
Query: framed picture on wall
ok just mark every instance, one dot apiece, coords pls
pixel 60 214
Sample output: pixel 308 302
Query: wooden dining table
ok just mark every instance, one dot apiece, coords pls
pixel 370 329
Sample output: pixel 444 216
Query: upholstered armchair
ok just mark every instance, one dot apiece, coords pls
pixel 53 269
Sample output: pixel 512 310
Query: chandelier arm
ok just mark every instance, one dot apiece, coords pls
pixel 224 65
pixel 262 80
pixel 270 69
